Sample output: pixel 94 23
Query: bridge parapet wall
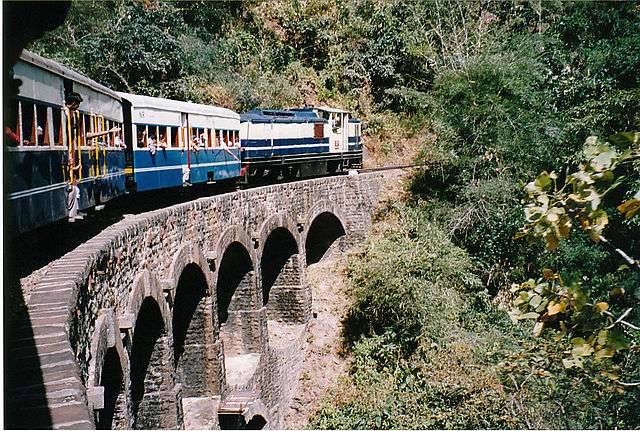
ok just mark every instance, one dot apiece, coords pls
pixel 143 258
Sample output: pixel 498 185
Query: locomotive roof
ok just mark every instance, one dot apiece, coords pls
pixel 139 101
pixel 328 109
pixel 281 116
pixel 65 72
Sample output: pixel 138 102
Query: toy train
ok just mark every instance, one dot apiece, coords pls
pixel 115 143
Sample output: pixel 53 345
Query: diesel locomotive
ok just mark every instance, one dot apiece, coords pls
pixel 62 159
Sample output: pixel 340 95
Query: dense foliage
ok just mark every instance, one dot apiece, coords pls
pixel 488 94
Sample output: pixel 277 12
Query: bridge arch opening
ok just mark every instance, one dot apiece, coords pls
pixel 237 301
pixel 279 262
pixel 325 231
pixel 284 293
pixel 238 422
pixel 151 380
pixel 191 324
pixel 114 414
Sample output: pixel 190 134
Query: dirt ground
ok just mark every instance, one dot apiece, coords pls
pixel 322 363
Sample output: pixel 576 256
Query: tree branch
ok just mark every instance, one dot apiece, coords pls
pixel 625 256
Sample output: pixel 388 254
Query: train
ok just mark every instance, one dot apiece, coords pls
pixel 67 155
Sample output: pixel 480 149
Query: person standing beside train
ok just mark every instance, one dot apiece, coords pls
pixel 72 103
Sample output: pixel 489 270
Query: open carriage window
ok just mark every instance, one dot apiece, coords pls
pixel 57 125
pixel 42 123
pixel 142 136
pixel 28 123
pixel 162 137
pixel 175 137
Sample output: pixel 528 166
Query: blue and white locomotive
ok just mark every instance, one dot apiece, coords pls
pixel 299 142
pixel 116 143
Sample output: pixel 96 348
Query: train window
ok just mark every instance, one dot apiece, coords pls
pixel 226 138
pixel 152 134
pixel 56 115
pixel 162 137
pixel 236 137
pixel 28 123
pixel 42 131
pixel 318 130
pixel 86 128
pixel 142 136
pixel 338 122
pixel 174 137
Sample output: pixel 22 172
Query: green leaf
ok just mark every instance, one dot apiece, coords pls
pixel 543 180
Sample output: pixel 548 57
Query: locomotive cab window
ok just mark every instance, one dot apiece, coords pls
pixel 318 130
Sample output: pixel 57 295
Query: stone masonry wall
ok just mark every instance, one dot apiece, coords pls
pixel 143 257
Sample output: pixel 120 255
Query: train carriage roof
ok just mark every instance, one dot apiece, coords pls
pixel 281 116
pixel 138 101
pixel 58 69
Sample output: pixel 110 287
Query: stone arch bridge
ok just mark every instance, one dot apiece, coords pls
pixel 191 316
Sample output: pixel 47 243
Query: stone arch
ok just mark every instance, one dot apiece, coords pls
pixel 275 221
pixel 326 228
pixel 152 393
pixel 186 255
pixel 284 291
pixel 107 386
pixel 242 322
pixel 146 285
pixel 235 247
pixel 193 334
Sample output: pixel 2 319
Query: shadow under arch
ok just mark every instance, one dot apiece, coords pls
pixel 192 330
pixel 238 422
pixel 284 291
pixel 237 301
pixel 151 380
pixel 108 370
pixel 325 230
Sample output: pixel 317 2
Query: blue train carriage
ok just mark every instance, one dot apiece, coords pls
pixel 296 143
pixel 180 143
pixel 42 156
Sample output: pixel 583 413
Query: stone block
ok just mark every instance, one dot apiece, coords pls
pixel 200 413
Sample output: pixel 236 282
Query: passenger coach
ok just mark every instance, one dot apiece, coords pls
pixel 41 159
pixel 179 143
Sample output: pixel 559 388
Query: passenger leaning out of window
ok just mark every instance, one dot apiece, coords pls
pixel 72 103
